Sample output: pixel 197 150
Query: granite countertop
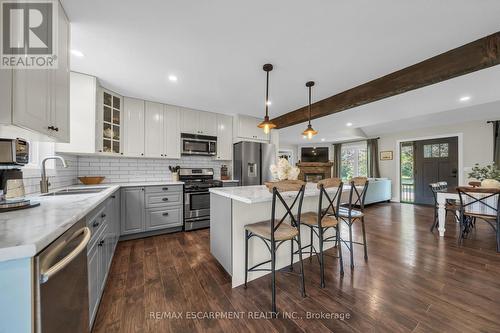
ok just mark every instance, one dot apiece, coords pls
pixel 260 193
pixel 26 232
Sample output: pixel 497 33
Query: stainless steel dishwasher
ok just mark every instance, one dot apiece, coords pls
pixel 61 283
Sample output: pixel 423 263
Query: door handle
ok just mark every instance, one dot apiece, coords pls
pixel 46 275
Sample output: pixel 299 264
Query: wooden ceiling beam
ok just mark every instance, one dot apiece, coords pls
pixel 471 57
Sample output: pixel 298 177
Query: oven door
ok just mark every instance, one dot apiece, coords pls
pixel 198 147
pixel 197 204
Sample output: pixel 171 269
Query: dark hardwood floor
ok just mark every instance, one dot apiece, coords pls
pixel 412 282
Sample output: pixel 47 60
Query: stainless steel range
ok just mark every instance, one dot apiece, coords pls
pixel 197 197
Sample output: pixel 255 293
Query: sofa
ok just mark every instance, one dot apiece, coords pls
pixel 379 190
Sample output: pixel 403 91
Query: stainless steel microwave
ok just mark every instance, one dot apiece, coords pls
pixel 192 144
pixel 14 152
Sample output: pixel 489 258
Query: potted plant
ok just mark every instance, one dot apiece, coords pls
pixel 489 175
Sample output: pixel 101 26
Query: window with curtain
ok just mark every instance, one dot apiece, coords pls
pixel 354 162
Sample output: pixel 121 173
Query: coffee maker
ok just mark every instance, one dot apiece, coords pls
pixel 14 153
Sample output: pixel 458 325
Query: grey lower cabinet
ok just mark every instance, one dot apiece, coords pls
pixel 104 223
pixel 132 207
pixel 129 211
pixel 151 208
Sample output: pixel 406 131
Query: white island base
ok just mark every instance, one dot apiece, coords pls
pixel 233 208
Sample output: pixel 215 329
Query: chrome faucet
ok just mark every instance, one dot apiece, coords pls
pixel 44 182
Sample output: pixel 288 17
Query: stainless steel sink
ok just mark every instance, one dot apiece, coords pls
pixel 73 191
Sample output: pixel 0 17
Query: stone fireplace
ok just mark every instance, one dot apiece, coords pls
pixel 314 171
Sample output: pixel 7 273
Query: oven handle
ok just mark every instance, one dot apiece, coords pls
pixel 194 219
pixel 45 276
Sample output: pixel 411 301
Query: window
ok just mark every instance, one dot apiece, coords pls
pixel 436 150
pixel 354 160
pixel 39 150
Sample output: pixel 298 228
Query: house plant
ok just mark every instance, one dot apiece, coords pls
pixel 489 175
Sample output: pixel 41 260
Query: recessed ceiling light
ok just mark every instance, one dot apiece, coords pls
pixel 464 98
pixel 348 124
pixel 172 78
pixel 77 53
pixel 323 139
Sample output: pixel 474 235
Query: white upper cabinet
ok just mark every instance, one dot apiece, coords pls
pixel 60 108
pixel 154 130
pixel 172 121
pixel 245 127
pixel 207 123
pixel 110 122
pixel 189 121
pixel 198 122
pixel 134 127
pixel 83 93
pixel 40 97
pixel 224 137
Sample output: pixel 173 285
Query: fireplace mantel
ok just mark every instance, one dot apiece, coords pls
pixel 313 171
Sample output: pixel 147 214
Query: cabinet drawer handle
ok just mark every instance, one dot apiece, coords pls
pixel 165 189
pixel 165 199
pixel 101 243
pixel 56 129
pixel 51 128
pixel 113 197
pixel 103 215
pixel 95 224
pixel 165 214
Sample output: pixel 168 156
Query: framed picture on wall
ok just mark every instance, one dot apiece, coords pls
pixel 386 155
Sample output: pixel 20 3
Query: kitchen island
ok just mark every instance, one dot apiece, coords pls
pixel 233 208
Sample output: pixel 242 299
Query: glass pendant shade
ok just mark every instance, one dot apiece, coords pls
pixel 309 132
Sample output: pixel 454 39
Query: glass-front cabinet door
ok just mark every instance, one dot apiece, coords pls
pixel 109 122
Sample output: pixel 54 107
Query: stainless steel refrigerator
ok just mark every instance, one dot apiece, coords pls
pixel 252 161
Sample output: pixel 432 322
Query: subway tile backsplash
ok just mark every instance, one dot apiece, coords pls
pixel 120 169
pixel 125 169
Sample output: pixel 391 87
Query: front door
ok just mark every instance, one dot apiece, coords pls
pixel 436 160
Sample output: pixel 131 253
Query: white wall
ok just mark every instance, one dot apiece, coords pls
pixel 477 146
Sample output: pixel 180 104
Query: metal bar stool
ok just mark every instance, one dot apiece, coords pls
pixel 274 233
pixel 324 219
pixel 350 215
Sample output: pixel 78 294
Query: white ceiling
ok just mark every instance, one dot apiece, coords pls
pixel 403 111
pixel 217 48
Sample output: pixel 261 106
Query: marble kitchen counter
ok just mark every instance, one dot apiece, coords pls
pixel 260 193
pixel 26 232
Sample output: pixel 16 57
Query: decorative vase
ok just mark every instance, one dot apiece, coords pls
pixel 490 183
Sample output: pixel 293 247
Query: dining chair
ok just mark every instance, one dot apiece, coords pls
pixel 353 211
pixel 450 206
pixel 477 203
pixel 276 231
pixel 322 220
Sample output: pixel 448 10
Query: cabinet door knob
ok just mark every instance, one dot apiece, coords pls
pixel 165 189
pixel 51 128
pixel 101 243
pixel 165 214
pixel 165 199
pixel 142 154
pixel 95 224
pixel 113 196
pixel 103 215
pixel 56 129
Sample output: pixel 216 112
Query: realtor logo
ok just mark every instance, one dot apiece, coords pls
pixel 29 34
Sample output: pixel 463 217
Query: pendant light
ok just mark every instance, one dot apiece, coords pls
pixel 309 132
pixel 267 125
